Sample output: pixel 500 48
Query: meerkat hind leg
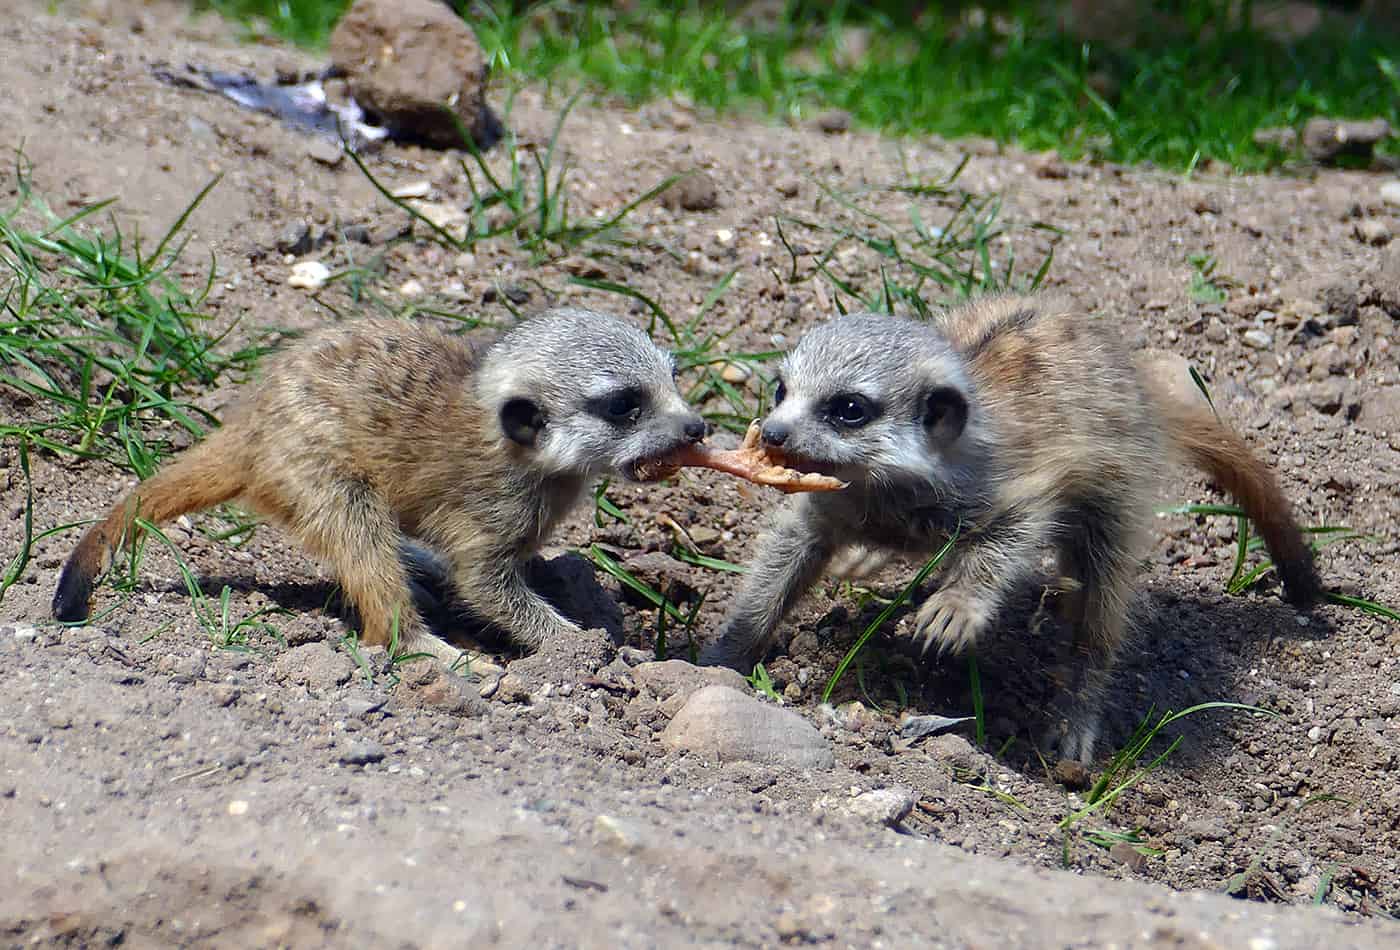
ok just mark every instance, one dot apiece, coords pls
pixel 1097 556
pixel 359 538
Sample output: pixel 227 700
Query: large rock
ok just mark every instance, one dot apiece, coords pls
pixel 411 65
pixel 725 725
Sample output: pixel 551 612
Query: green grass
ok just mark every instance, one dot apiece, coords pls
pixel 1197 88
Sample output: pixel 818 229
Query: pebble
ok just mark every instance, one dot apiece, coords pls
pixel 834 121
pixel 1258 339
pixel 883 806
pixel 413 189
pixel 318 666
pixel 296 239
pixel 512 689
pixel 362 753
pixel 1315 734
pixel 624 833
pixel 735 373
pixel 1071 774
pixel 1373 231
pixel 695 192
pixel 413 287
pixel 724 724
pixel 308 275
pixel 1390 192
pixel 667 678
pixel 238 807
pixel 21 631
pixel 325 152
pixel 1127 855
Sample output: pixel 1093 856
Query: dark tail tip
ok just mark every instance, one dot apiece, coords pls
pixel 1302 586
pixel 70 599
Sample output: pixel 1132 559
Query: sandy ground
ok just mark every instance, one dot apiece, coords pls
pixel 159 790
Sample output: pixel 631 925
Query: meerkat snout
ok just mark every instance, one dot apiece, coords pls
pixel 775 433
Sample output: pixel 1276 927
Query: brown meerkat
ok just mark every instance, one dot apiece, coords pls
pixel 364 435
pixel 1018 422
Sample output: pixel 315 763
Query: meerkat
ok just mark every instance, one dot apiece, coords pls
pixel 366 435
pixel 1018 423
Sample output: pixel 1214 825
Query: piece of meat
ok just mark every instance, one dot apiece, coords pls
pixel 749 461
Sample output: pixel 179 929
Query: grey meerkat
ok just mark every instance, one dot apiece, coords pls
pixel 1021 423
pixel 366 435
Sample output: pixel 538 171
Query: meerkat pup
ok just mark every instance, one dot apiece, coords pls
pixel 1022 425
pixel 366 434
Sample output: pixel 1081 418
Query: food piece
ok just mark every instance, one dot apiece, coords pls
pixel 750 462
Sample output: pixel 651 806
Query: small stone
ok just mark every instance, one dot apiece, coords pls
pixel 444 215
pixel 953 749
pixel 1207 829
pixel 308 275
pixel 413 287
pixel 413 189
pixel 667 678
pixel 295 239
pixel 735 373
pixel 1315 734
pixel 23 631
pixel 788 187
pixel 325 152
pixel 883 806
pixel 224 694
pixel 317 666
pixel 834 122
pixel 237 807
pixel 183 667
pixel 727 725
pixel 623 833
pixel 427 684
pixel 1390 193
pixel 1071 774
pixel 1126 854
pixel 512 689
pixel 1216 331
pixel 1373 231
pixel 362 753
pixel 1258 339
pixel 724 235
pixel 1325 139
pixel 695 192
pixel 1281 138
pixel 703 535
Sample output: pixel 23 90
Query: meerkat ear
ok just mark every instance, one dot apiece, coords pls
pixel 945 414
pixel 522 420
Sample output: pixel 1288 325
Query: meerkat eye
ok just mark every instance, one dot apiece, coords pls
pixel 625 405
pixel 850 411
pixel 779 392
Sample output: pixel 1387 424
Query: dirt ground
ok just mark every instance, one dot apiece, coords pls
pixel 158 790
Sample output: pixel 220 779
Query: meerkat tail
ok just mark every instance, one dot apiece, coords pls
pixel 205 475
pixel 1227 459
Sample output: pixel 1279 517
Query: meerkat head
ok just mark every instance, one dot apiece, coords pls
pixel 583 393
pixel 874 399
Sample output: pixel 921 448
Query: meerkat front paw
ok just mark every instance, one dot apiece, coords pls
pixel 952 619
pixel 857 563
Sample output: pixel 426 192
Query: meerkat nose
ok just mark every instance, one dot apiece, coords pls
pixel 694 429
pixel 776 433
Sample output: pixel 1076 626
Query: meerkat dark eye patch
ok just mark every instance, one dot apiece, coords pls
pixel 850 411
pixel 945 414
pixel 620 407
pixel 779 392
pixel 522 420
